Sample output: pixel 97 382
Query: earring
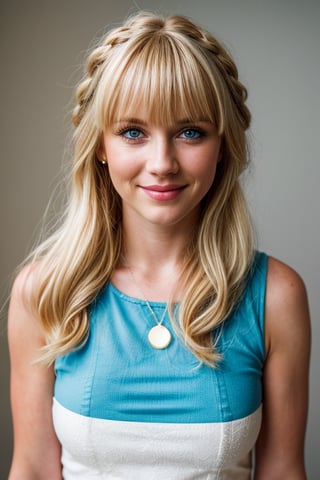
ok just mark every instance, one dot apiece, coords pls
pixel 103 162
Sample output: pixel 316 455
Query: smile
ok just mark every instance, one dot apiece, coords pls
pixel 163 192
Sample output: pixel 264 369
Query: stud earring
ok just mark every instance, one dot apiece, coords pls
pixel 103 162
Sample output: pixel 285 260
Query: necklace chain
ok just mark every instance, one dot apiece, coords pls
pixel 159 336
pixel 158 322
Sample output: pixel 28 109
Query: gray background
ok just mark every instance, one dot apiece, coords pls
pixel 276 45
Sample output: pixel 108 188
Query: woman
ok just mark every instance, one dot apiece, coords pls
pixel 148 338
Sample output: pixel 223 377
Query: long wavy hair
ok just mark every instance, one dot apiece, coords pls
pixel 169 64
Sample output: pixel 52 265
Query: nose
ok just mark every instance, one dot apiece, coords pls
pixel 162 159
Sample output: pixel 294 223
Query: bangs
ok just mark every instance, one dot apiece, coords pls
pixel 165 78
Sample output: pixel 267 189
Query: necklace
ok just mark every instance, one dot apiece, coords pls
pixel 159 336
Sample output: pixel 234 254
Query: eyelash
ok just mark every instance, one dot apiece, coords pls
pixel 200 133
pixel 125 130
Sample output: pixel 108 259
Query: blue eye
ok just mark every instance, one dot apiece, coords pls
pixel 191 134
pixel 132 133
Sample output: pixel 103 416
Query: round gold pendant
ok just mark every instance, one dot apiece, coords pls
pixel 159 337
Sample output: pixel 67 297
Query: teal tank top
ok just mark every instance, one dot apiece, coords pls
pixel 117 375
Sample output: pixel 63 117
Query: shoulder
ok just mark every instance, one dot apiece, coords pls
pixel 22 315
pixel 284 285
pixel 26 284
pixel 286 306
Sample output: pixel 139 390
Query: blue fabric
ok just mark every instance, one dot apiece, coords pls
pixel 117 375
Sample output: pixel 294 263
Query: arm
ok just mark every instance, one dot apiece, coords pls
pixel 280 446
pixel 36 448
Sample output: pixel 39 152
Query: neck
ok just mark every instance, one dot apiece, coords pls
pixel 154 251
pixel 155 258
pixel 154 247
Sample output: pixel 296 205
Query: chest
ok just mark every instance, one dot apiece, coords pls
pixel 118 375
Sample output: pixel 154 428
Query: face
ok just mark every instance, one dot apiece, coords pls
pixel 161 173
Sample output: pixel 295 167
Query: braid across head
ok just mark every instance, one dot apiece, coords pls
pixel 147 40
pixel 219 55
pixel 85 89
pixel 100 55
pixel 170 69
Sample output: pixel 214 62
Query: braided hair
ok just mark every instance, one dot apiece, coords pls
pixel 172 67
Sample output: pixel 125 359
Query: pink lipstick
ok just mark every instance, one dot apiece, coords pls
pixel 163 192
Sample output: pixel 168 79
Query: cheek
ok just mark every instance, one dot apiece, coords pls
pixel 122 161
pixel 207 175
pixel 118 164
pixel 207 170
pixel 122 173
pixel 208 179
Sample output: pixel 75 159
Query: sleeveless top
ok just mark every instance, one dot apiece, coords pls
pixel 124 410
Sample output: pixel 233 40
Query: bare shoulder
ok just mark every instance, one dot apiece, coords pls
pixel 287 311
pixel 283 279
pixel 25 283
pixel 22 318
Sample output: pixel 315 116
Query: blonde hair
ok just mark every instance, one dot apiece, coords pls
pixel 172 65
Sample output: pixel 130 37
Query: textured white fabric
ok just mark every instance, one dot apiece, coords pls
pixel 107 449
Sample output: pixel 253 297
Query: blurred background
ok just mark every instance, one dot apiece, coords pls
pixel 276 45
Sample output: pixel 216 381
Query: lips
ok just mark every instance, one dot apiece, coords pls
pixel 163 188
pixel 163 192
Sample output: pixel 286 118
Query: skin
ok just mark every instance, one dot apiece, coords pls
pixel 280 447
pixel 142 157
pixel 180 160
pixel 156 225
pixel 36 448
